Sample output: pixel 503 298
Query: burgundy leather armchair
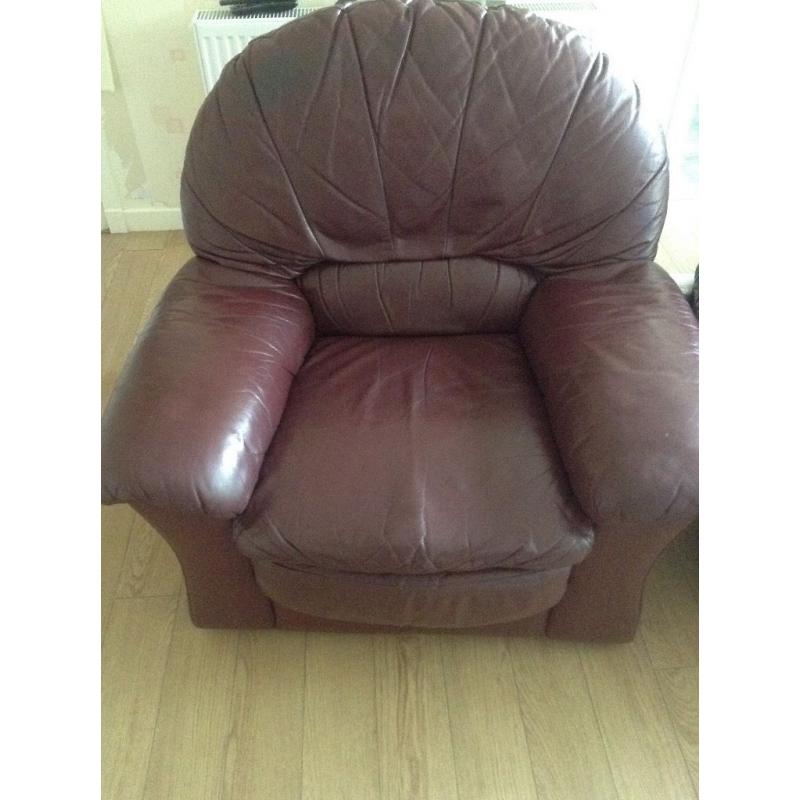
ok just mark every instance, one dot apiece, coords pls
pixel 423 371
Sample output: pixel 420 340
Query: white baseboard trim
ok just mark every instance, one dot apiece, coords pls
pixel 115 220
pixel 124 220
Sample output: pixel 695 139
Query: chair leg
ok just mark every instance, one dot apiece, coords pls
pixel 603 601
pixel 220 584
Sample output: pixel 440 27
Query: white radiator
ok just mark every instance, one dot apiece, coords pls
pixel 220 36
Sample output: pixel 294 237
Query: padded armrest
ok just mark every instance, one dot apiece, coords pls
pixel 202 393
pixel 615 353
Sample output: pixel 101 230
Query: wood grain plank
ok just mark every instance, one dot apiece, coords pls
pixel 641 743
pixel 680 690
pixel 414 745
pixel 111 244
pixel 340 751
pixel 195 717
pixel 123 316
pixel 178 238
pixel 111 247
pixel 134 659
pixel 116 523
pixel 489 745
pixel 150 567
pixel 560 722
pixel 266 754
pixel 172 258
pixel 146 240
pixel 139 281
pixel 669 624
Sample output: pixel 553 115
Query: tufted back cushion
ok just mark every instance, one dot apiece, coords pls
pixel 388 132
pixel 461 295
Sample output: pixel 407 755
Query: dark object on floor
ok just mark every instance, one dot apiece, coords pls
pixel 695 298
pixel 407 381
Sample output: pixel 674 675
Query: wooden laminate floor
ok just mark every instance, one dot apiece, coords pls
pixel 212 715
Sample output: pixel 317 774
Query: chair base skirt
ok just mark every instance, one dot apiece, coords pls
pixel 438 601
pixel 288 619
pixel 602 601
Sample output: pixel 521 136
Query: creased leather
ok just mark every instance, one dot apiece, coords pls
pixel 616 356
pixel 202 394
pixel 448 296
pixel 405 131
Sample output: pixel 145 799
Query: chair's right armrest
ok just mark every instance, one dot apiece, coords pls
pixel 615 353
pixel 200 397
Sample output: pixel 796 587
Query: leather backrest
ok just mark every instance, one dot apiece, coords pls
pixel 389 131
pixel 461 295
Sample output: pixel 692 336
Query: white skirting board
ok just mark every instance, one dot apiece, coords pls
pixel 125 220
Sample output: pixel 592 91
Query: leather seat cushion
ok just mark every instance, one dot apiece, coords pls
pixel 414 456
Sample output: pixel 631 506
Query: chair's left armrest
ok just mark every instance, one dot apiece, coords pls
pixel 615 354
pixel 202 393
